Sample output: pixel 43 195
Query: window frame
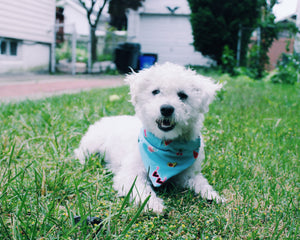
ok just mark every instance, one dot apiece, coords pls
pixel 9 50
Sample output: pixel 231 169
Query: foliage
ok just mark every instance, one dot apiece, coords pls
pixel 228 61
pixel 216 23
pixel 64 52
pixel 252 158
pixel 117 10
pixel 288 69
pixel 255 68
pixel 269 30
pixel 105 57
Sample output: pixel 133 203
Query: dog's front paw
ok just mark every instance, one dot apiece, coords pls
pixel 156 205
pixel 220 199
pixel 211 196
pixel 79 154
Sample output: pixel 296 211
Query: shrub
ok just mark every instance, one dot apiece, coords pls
pixel 228 61
pixel 288 69
pixel 256 68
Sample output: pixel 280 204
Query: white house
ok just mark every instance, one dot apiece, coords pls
pixel 163 27
pixel 26 34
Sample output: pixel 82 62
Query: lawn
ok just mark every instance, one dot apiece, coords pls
pixel 252 158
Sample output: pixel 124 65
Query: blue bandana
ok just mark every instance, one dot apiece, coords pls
pixel 164 159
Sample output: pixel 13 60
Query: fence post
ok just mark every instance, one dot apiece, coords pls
pixel 90 52
pixel 238 54
pixel 258 43
pixel 53 45
pixel 74 37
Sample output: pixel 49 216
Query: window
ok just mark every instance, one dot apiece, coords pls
pixel 8 47
pixel 3 47
pixel 13 48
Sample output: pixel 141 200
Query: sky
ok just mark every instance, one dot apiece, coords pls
pixel 284 8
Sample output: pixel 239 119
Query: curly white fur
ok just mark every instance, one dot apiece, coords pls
pixel 117 137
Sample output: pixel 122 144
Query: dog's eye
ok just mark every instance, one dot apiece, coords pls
pixel 182 95
pixel 155 92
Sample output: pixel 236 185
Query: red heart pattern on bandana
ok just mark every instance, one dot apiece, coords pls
pixel 167 142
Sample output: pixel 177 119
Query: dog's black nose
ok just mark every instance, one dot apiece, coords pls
pixel 166 110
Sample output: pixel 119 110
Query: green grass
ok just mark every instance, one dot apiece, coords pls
pixel 252 158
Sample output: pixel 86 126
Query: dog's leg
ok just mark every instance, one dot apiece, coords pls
pixel 90 143
pixel 125 177
pixel 200 185
pixel 83 151
pixel 140 192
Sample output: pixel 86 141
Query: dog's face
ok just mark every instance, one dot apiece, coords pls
pixel 170 100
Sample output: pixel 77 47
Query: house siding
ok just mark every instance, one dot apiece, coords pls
pixel 160 6
pixel 27 20
pixel 30 25
pixel 165 33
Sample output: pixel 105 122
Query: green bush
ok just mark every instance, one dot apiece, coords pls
pixel 228 61
pixel 81 55
pixel 105 57
pixel 288 69
pixel 256 68
pixel 64 51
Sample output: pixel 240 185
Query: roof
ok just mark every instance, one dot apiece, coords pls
pixel 289 18
pixel 165 7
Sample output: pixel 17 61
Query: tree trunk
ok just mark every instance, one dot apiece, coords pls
pixel 93 44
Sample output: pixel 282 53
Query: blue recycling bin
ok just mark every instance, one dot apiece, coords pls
pixel 147 60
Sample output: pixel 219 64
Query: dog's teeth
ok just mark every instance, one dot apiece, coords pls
pixel 166 122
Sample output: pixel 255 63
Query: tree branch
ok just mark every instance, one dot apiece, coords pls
pixel 83 4
pixel 100 12
pixel 88 11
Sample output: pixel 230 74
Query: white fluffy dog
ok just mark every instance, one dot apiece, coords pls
pixel 162 141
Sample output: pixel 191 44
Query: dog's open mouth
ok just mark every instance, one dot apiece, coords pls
pixel 165 124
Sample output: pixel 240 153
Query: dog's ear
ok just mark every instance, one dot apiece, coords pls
pixel 131 80
pixel 206 90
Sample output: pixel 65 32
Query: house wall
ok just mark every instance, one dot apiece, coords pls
pixel 27 19
pixel 164 33
pixel 30 23
pixel 278 47
pixel 31 57
pixel 75 16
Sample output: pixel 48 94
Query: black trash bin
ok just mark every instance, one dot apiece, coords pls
pixel 127 56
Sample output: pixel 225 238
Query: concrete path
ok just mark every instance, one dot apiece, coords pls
pixel 35 86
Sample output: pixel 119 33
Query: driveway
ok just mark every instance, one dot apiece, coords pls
pixel 35 86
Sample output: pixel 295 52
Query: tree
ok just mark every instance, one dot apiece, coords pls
pixel 216 23
pixel 117 10
pixel 268 32
pixel 94 9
